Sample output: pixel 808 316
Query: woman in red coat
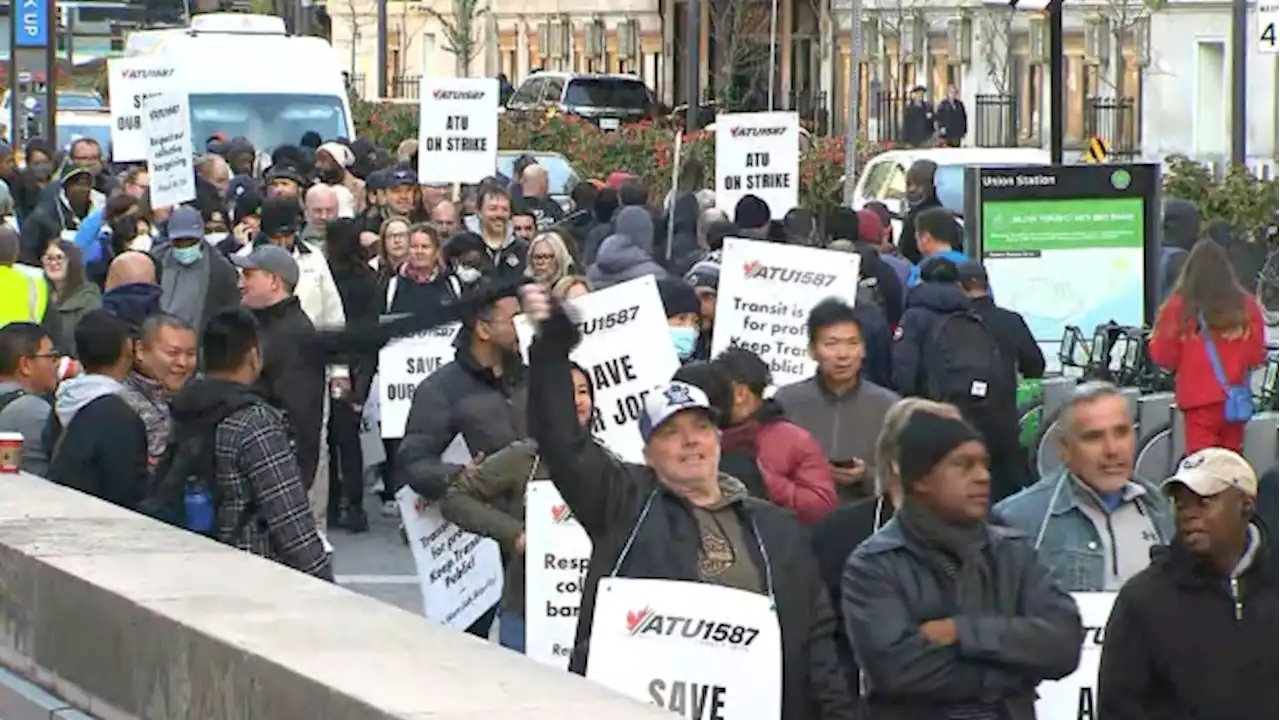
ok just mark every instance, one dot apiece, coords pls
pixel 1208 286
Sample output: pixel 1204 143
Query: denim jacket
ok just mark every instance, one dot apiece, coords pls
pixel 1067 541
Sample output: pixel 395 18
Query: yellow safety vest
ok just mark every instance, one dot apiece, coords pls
pixel 24 295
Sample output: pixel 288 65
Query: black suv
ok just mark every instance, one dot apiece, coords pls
pixel 608 101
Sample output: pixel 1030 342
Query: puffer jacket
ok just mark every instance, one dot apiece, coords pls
pixel 628 253
pixel 608 496
pixel 796 473
pixel 1033 632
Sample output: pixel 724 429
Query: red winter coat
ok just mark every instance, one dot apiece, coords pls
pixel 1176 345
pixel 795 470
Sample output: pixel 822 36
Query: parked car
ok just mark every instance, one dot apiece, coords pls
pixel 76 124
pixel 607 101
pixel 68 99
pixel 561 175
pixel 884 179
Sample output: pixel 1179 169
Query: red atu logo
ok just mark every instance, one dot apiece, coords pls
pixel 751 132
pixel 635 619
pixel 443 94
pixel 750 268
pixel 561 513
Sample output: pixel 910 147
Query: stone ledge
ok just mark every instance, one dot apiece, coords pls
pixel 125 617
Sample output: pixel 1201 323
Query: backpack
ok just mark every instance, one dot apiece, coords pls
pixel 869 294
pixel 184 491
pixel 1169 268
pixel 10 397
pixel 963 364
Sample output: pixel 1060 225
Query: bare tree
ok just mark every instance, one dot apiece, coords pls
pixel 461 32
pixel 741 60
pixel 407 31
pixel 995 31
pixel 357 22
pixel 1125 18
pixel 896 17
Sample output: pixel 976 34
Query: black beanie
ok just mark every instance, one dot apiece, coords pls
pixel 925 439
pixel 678 297
pixel 751 212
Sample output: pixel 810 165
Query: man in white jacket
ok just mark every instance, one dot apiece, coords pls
pixel 281 220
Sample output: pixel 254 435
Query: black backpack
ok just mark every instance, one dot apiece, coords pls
pixel 962 364
pixel 185 482
pixel 10 397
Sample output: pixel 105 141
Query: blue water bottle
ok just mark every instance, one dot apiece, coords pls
pixel 198 504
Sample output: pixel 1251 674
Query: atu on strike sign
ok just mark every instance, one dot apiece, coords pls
pixel 402 365
pixel 626 349
pixel 766 293
pixel 130 81
pixel 557 553
pixel 166 126
pixel 457 130
pixel 1075 697
pixel 758 154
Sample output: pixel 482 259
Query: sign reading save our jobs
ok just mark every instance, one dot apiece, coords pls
pixel 557 553
pixel 766 293
pixel 1075 697
pixel 166 126
pixel 457 129
pixel 130 81
pixel 696 649
pixel 758 154
pixel 402 365
pixel 626 349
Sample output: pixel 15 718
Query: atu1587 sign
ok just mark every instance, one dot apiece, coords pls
pixel 458 130
pixel 758 154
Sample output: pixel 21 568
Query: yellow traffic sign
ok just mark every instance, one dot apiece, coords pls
pixel 1096 150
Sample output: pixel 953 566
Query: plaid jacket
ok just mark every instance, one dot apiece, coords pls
pixel 264 507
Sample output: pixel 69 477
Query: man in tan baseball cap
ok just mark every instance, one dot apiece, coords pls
pixel 1196 632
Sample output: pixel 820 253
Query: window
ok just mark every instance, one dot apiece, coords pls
pixel 876 177
pixel 895 187
pixel 268 121
pixel 607 92
pixel 554 91
pixel 529 93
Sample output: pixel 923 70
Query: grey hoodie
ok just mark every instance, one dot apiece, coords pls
pixel 74 394
pixel 628 253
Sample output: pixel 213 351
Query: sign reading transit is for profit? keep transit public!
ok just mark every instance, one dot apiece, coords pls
pixel 32 17
pixel 402 365
pixel 557 553
pixel 758 154
pixel 130 81
pixel 766 293
pixel 166 125
pixel 699 650
pixel 1075 697
pixel 626 349
pixel 457 129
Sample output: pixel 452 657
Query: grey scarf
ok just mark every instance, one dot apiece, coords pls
pixel 954 551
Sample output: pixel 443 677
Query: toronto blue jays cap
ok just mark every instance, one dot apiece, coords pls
pixel 664 403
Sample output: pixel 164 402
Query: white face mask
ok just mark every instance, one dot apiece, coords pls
pixel 215 238
pixel 467 274
pixel 141 243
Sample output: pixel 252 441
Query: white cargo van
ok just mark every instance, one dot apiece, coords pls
pixel 246 76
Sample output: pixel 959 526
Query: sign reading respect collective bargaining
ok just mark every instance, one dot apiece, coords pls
pixel 130 81
pixel 457 130
pixel 758 154
pixel 766 293
pixel 166 126
pixel 402 365
pixel 557 553
pixel 1075 697
pixel 626 350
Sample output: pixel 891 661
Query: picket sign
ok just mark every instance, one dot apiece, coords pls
pixel 457 129
pixel 460 574
pixel 698 650
pixel 130 81
pixel 553 539
pixel 1076 696
pixel 626 349
pixel 372 451
pixel 758 153
pixel 166 129
pixel 402 365
pixel 766 292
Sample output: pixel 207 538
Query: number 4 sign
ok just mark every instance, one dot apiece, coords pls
pixel 1268 20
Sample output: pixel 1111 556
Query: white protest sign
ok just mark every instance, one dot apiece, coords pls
pixel 557 553
pixel 766 293
pixel 130 80
pixel 460 574
pixel 1076 695
pixel 372 451
pixel 699 650
pixel 626 349
pixel 457 129
pixel 758 154
pixel 402 365
pixel 166 126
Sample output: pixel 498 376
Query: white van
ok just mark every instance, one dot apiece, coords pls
pixel 246 76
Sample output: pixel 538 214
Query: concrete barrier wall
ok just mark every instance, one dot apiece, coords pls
pixel 125 617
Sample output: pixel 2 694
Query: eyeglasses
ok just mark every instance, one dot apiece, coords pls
pixel 54 259
pixel 398 236
pixel 45 356
pixel 543 256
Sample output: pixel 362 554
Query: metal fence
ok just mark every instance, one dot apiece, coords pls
pixel 355 83
pixel 886 115
pixel 405 86
pixel 1115 120
pixel 995 121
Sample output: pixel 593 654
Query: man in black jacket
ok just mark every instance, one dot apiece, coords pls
pixel 951 617
pixel 921 195
pixel 678 519
pixel 101 443
pixel 292 378
pixel 1195 634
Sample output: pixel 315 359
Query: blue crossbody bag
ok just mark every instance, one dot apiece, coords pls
pixel 1239 405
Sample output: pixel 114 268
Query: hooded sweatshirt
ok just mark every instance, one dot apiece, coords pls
pixel 134 302
pixel 628 253
pixel 101 449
